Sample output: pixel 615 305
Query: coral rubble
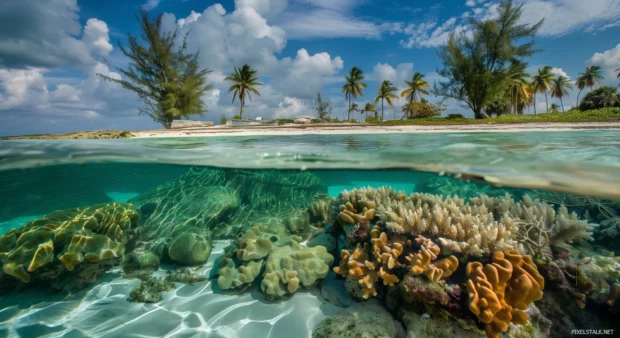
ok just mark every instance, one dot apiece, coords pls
pixel 150 290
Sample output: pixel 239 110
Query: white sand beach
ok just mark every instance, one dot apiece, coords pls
pixel 368 129
pixel 195 310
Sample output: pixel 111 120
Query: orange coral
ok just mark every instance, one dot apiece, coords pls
pixel 500 291
pixel 422 261
pixel 348 214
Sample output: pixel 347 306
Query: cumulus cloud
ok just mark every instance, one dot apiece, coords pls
pixel 398 75
pixel 22 88
pixel 608 60
pixel 559 72
pixel 41 34
pixel 96 35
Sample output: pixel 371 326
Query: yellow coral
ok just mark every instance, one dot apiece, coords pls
pixel 500 291
pixel 349 215
pixel 422 262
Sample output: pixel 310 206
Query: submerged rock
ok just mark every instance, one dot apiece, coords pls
pixel 363 320
pixel 185 276
pixel 324 239
pixel 142 261
pixel 333 290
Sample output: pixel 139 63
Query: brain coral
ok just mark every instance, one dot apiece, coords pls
pixel 190 248
pixel 70 238
pixel 500 292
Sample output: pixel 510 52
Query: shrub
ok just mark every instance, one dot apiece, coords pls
pixel 498 107
pixel 454 116
pixel 424 109
pixel 285 121
pixel 237 117
pixel 223 119
pixel 600 98
pixel 372 119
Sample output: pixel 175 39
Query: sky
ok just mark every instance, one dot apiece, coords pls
pixel 51 52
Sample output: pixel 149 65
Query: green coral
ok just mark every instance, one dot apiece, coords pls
pixel 69 239
pixel 190 249
pixel 150 290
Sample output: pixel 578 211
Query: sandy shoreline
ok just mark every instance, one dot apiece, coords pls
pixel 369 129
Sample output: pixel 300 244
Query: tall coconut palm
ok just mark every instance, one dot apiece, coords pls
pixel 386 93
pixel 415 87
pixel 518 87
pixel 591 77
pixel 542 83
pixel 369 107
pixel 354 107
pixel 245 82
pixel 559 88
pixel 353 86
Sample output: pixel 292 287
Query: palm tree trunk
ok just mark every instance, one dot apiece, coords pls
pixel 546 101
pixel 578 97
pixel 349 111
pixel 534 104
pixel 562 103
pixel 381 109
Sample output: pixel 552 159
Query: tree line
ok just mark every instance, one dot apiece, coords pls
pixel 484 69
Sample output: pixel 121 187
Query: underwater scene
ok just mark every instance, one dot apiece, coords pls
pixel 392 235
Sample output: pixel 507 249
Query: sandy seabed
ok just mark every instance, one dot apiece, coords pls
pixel 199 310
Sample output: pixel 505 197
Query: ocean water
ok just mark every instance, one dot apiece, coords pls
pixel 246 236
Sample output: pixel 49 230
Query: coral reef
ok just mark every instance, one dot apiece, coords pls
pixel 185 276
pixel 66 242
pixel 217 203
pixel 150 290
pixel 451 187
pixel 500 292
pixel 289 264
pixel 383 259
pixel 364 320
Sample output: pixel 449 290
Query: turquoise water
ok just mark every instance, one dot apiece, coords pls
pixel 86 222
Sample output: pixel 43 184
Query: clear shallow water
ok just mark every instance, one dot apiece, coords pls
pixel 183 185
pixel 584 162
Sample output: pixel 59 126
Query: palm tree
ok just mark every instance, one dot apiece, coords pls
pixel 416 86
pixel 353 86
pixel 592 76
pixel 518 89
pixel 386 92
pixel 369 107
pixel 618 70
pixel 245 81
pixel 542 83
pixel 354 107
pixel 559 88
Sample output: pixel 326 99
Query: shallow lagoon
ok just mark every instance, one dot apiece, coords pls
pixel 155 176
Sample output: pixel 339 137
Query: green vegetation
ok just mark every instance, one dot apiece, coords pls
pixel 592 76
pixel 477 67
pixel 601 98
pixel 323 108
pixel 559 88
pixel 166 79
pixel 541 83
pixel 422 109
pixel 223 120
pixel 598 115
pixel 417 86
pixel 369 108
pixel 244 83
pixel 353 86
pixel 386 93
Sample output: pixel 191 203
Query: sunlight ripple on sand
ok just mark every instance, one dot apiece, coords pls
pixel 190 310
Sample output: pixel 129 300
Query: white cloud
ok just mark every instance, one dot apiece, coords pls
pixel 65 93
pixel 292 107
pixel 559 71
pixel 608 60
pixel 150 4
pixel 398 75
pixel 96 35
pixel 22 88
pixel 429 34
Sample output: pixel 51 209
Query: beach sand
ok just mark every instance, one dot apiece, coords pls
pixel 199 310
pixel 369 129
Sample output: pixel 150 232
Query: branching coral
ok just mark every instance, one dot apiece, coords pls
pixel 422 262
pixel 500 292
pixel 539 224
pixel 69 237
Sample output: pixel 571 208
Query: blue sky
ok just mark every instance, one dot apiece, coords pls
pixel 50 52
